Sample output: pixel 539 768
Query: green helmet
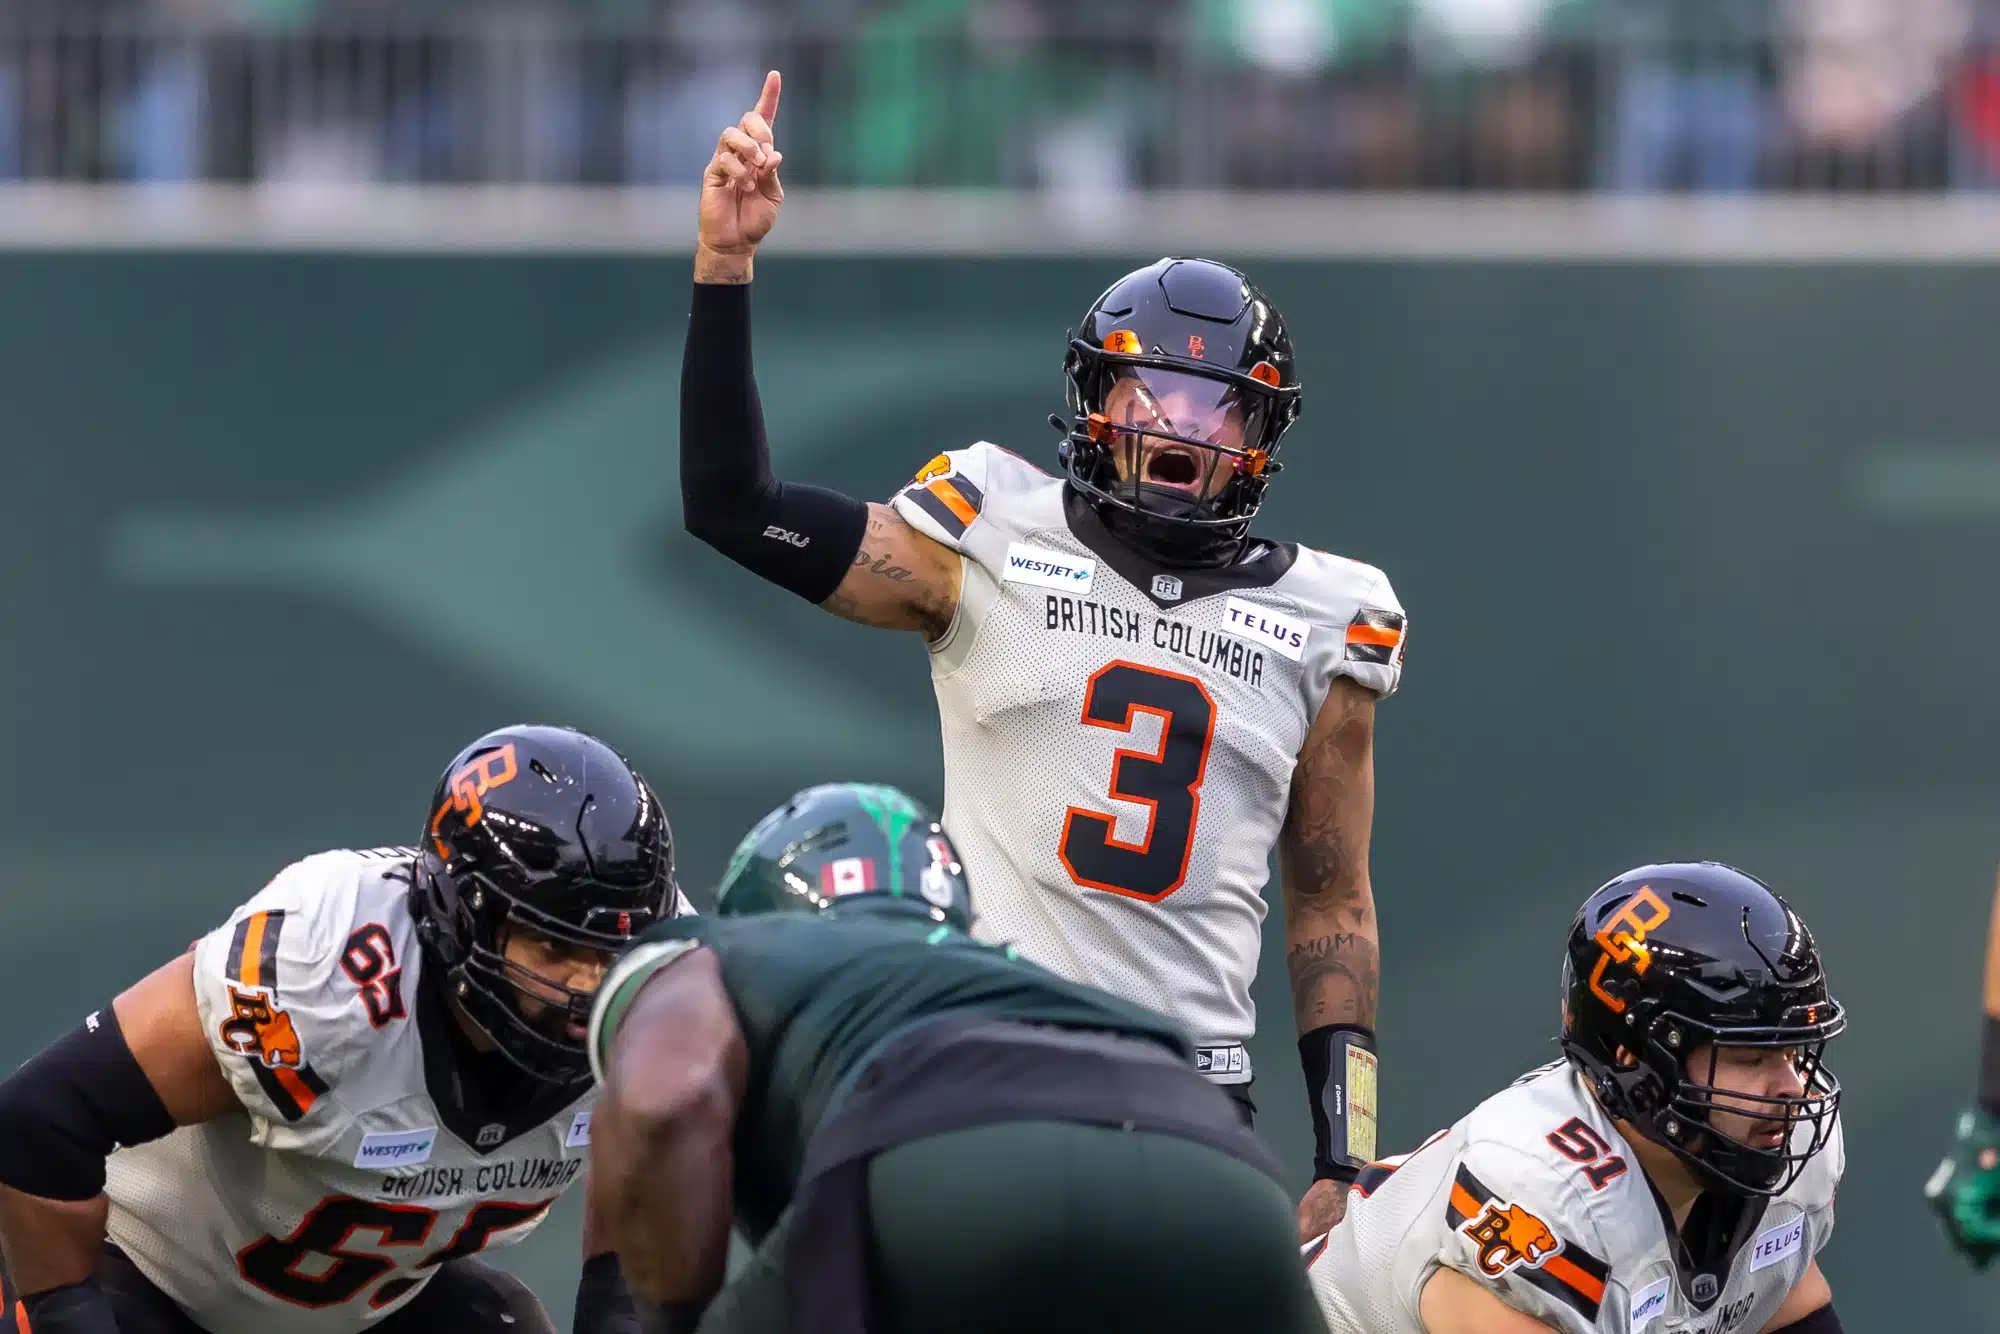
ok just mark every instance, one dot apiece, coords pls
pixel 838 841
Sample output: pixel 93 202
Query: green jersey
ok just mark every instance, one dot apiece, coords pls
pixel 818 995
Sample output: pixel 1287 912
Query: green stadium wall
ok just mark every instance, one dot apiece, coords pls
pixel 1693 557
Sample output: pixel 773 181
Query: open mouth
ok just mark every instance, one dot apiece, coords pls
pixel 577 1029
pixel 1178 468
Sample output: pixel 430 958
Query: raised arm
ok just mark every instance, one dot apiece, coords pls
pixel 1332 955
pixel 129 1074
pixel 859 561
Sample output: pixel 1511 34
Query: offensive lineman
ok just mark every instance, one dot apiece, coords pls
pixel 374 1070
pixel 1675 1173
pixel 955 1138
pixel 1138 698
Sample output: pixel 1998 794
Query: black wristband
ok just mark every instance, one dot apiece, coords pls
pixel 63 1112
pixel 604 1304
pixel 670 1317
pixel 74 1308
pixel 801 538
pixel 1339 1063
pixel 1989 1065
pixel 1821 1321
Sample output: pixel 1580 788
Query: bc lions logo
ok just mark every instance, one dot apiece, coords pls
pixel 1508 1235
pixel 496 768
pixel 254 1028
pixel 1623 940
pixel 936 468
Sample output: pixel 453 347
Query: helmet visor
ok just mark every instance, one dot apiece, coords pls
pixel 1179 434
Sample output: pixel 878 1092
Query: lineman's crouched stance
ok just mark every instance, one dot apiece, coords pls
pixel 963 1140
pixel 372 1072
pixel 1675 1174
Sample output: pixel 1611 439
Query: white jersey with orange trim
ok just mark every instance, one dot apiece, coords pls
pixel 328 1198
pixel 1537 1197
pixel 1119 736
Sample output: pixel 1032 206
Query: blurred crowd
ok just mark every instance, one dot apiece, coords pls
pixel 1615 95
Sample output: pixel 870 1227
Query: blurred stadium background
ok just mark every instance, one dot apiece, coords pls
pixel 1649 345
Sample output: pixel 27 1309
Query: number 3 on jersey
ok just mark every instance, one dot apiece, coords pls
pixel 1167 780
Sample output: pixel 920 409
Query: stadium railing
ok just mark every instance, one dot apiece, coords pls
pixel 1563 96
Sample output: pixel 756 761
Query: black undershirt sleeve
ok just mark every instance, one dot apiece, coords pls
pixel 802 538
pixel 64 1111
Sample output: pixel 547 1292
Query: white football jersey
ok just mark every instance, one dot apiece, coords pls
pixel 1119 737
pixel 1537 1197
pixel 327 1200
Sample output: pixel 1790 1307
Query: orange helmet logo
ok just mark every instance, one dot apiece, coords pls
pixel 1507 1236
pixel 494 769
pixel 1623 940
pixel 1195 346
pixel 255 1028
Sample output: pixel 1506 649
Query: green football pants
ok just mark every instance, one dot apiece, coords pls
pixel 1040 1227
pixel 1046 1226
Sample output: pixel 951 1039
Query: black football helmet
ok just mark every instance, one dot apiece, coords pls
pixel 547 829
pixel 1181 384
pixel 842 843
pixel 1684 955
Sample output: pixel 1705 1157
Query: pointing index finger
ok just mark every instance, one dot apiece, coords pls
pixel 767 100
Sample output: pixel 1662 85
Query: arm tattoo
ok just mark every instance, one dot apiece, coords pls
pixel 1324 863
pixel 881 565
pixel 1336 979
pixel 916 603
pixel 1332 956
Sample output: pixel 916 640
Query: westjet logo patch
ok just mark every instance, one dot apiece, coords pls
pixel 1649 1303
pixel 396 1148
pixel 1049 569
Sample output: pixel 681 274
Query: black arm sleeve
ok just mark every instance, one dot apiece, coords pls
pixel 63 1112
pixel 603 1304
pixel 1822 1321
pixel 801 538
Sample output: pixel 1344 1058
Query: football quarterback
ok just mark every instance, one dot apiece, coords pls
pixel 318 1117
pixel 1139 698
pixel 921 1131
pixel 1675 1172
